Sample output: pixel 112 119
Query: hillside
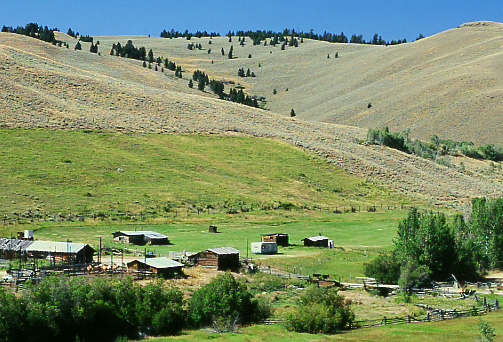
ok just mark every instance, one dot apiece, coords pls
pixel 449 84
pixel 47 86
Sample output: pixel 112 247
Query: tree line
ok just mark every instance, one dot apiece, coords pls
pixel 427 247
pixel 34 30
pixel 435 147
pixel 62 309
pixel 261 35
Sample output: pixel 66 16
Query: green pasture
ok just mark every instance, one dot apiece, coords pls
pixel 358 237
pixel 462 329
pixel 52 172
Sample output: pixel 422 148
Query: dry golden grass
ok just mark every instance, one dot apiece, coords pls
pixel 431 86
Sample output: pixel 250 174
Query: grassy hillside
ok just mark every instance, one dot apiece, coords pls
pixel 51 87
pixel 56 171
pixel 448 84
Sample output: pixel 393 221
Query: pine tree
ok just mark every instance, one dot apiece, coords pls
pixel 191 84
pixel 150 56
pixel 230 52
pixel 292 113
pixel 201 84
pixel 78 46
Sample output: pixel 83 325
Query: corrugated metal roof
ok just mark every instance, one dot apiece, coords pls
pixel 315 238
pixel 55 246
pixel 161 262
pixel 148 233
pixel 223 250
pixel 277 234
pixel 14 244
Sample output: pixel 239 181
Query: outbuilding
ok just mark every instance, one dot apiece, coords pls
pixel 162 266
pixel 140 237
pixel 316 241
pixel 280 239
pixel 222 258
pixel 264 247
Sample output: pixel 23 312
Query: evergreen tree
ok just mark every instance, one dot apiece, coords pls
pixel 150 56
pixel 230 52
pixel 201 84
pixel 292 113
pixel 78 46
pixel 191 84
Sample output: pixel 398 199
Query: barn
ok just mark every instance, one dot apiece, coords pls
pixel 140 237
pixel 316 241
pixel 280 239
pixel 222 258
pixel 162 266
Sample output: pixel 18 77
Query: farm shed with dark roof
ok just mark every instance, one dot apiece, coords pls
pixel 162 266
pixel 222 258
pixel 140 237
pixel 280 239
pixel 316 241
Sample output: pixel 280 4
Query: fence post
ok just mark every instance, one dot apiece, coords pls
pixel 384 320
pixel 408 316
pixel 428 316
pixel 496 304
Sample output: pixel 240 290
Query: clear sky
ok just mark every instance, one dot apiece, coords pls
pixel 392 19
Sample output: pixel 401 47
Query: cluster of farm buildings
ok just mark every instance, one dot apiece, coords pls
pixel 24 247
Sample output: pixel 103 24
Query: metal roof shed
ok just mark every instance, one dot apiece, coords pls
pixel 316 241
pixel 162 265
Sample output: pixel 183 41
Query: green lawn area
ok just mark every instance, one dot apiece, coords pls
pixel 462 329
pixel 72 172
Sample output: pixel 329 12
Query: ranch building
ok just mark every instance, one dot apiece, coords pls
pixel 222 258
pixel 264 247
pixel 162 266
pixel 280 239
pixel 316 241
pixel 140 237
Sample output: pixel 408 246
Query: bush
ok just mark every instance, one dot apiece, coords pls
pixel 385 269
pixel 321 311
pixel 223 298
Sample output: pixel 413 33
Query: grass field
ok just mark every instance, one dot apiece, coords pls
pixel 68 172
pixel 462 329
pixel 358 237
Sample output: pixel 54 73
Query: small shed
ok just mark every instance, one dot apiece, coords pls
pixel 222 258
pixel 140 237
pixel 280 239
pixel 264 247
pixel 162 266
pixel 316 241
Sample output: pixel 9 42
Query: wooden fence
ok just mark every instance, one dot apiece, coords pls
pixel 432 315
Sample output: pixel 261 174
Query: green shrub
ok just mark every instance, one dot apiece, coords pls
pixel 321 310
pixel 223 298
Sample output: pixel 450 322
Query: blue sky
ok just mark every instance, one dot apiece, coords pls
pixel 391 19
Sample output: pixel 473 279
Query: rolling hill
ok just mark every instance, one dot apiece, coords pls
pixel 58 88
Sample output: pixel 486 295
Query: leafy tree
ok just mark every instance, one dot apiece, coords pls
pixel 385 268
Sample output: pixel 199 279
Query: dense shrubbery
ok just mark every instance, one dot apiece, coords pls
pixel 225 299
pixel 320 310
pixel 435 147
pixel 63 309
